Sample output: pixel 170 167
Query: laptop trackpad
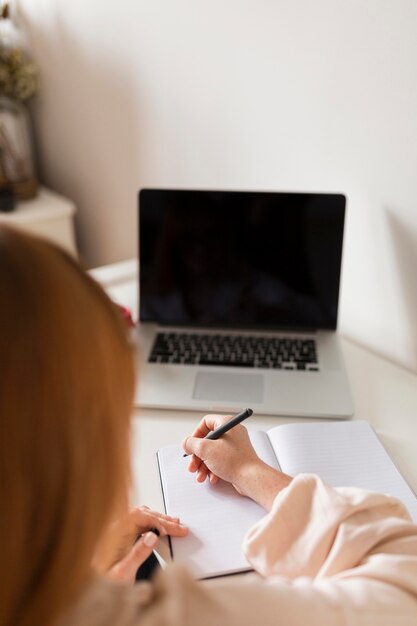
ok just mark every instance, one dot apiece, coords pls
pixel 241 388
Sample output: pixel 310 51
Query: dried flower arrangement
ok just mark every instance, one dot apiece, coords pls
pixel 18 82
pixel 18 76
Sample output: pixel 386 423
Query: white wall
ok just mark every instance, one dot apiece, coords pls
pixel 254 94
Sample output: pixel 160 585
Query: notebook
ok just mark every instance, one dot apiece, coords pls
pixel 341 453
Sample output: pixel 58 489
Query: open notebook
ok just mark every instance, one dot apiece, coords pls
pixel 343 454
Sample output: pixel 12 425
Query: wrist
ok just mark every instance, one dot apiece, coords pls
pixel 261 482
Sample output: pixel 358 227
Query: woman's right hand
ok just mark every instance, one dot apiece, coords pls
pixel 233 459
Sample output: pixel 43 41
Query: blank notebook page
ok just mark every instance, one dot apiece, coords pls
pixel 217 516
pixel 342 454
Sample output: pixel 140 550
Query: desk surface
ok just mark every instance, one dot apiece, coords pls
pixel 384 394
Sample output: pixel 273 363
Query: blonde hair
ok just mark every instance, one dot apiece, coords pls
pixel 66 388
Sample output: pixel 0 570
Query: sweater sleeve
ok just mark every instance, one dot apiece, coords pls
pixel 317 531
pixel 328 557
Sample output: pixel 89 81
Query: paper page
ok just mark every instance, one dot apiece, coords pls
pixel 217 516
pixel 343 454
pixel 263 448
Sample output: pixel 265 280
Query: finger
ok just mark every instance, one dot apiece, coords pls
pixel 145 520
pixel 202 473
pixel 213 479
pixel 195 445
pixel 209 423
pixel 125 570
pixel 203 467
pixel 144 517
pixel 165 524
pixel 194 463
pixel 163 516
pixel 173 528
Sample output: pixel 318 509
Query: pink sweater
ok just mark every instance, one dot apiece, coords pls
pixel 326 557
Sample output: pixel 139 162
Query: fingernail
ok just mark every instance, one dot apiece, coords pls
pixel 150 539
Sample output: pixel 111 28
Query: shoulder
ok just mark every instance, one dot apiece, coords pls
pixel 106 603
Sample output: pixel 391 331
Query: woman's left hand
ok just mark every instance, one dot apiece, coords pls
pixel 128 542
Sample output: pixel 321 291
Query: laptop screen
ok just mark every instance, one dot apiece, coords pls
pixel 231 259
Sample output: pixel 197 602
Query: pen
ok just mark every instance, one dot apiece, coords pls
pixel 219 432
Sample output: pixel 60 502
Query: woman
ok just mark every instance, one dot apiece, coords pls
pixel 66 386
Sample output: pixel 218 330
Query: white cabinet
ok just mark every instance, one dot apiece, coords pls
pixel 49 215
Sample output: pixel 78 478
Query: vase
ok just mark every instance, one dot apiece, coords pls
pixel 16 149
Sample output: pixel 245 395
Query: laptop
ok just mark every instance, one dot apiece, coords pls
pixel 238 302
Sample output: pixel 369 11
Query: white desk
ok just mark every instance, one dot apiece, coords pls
pixel 384 394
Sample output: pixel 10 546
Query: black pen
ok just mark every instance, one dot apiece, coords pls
pixel 221 430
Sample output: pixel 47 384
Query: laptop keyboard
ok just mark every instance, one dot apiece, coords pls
pixel 235 351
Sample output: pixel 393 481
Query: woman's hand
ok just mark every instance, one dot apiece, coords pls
pixel 223 458
pixel 128 542
pixel 233 459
